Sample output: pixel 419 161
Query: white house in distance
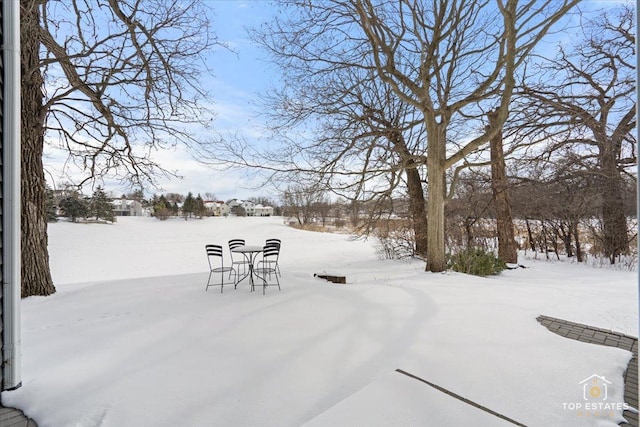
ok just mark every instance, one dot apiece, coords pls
pixel 126 207
pixel 251 208
pixel 261 210
pixel 217 207
pixel 244 204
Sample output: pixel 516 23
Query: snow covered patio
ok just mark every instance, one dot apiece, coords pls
pixel 132 338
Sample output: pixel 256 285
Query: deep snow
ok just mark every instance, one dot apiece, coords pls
pixel 131 338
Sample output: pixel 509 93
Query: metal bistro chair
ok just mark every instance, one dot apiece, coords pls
pixel 265 269
pixel 216 265
pixel 272 259
pixel 238 259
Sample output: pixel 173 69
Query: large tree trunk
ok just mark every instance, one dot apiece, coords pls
pixel 614 222
pixel 36 276
pixel 436 155
pixel 566 238
pixel 532 242
pixel 507 248
pixel 417 207
pixel 576 236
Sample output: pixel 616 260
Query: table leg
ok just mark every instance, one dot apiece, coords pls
pixel 251 272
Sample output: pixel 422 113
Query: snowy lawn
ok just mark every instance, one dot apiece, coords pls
pixel 131 338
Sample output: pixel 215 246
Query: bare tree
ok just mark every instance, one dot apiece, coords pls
pixel 507 247
pixel 366 145
pixel 445 62
pixel 300 202
pixel 447 59
pixel 210 196
pixel 468 210
pixel 586 96
pixel 557 201
pixel 322 208
pixel 110 82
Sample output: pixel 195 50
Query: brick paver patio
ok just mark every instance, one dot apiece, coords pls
pixel 10 417
pixel 593 335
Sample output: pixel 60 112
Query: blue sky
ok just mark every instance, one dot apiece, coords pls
pixel 239 75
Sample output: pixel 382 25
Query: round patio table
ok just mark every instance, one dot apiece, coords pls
pixel 251 253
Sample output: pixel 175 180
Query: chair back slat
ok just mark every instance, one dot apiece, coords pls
pixel 270 251
pixel 213 250
pixel 234 243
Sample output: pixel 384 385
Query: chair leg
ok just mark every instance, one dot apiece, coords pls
pixel 208 281
pixel 265 284
pixel 277 281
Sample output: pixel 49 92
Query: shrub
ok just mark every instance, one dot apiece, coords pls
pixel 395 244
pixel 475 261
pixel 162 213
pixel 340 223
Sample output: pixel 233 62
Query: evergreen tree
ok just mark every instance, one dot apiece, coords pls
pixel 175 209
pixel 161 207
pixel 188 207
pixel 198 207
pixel 74 207
pixel 52 215
pixel 101 207
pixel 137 195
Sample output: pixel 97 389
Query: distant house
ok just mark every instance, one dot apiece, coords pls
pixel 210 206
pixel 250 208
pixel 236 206
pixel 261 210
pixel 126 207
pixel 217 207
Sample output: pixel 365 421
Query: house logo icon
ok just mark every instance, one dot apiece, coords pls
pixel 594 388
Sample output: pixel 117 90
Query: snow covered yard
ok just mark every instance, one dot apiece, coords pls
pixel 132 338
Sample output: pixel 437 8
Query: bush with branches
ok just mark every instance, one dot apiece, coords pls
pixel 475 261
